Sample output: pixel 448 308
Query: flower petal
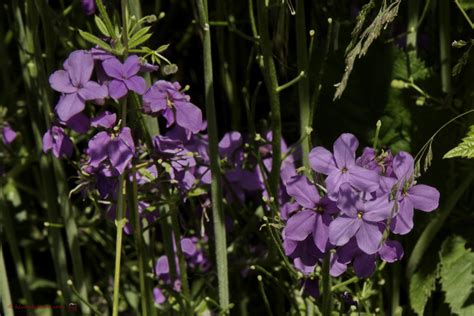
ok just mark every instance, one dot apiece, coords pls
pixel 92 90
pixel 364 179
pixel 79 66
pixel 364 265
pixel 300 225
pixel 69 105
pixel 344 150
pixel 105 119
pixel 117 89
pixel 369 237
pixel 321 232
pixel 137 84
pixel 391 251
pixel 97 148
pixel 114 68
pixel 303 191
pixel 347 200
pixel 60 82
pixel 188 116
pixel 342 229
pixel 378 210
pixel 403 166
pixel 321 160
pixel 402 223
pixel 131 66
pixel 424 197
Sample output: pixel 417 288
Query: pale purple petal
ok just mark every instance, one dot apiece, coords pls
pixel 391 251
pixel 289 246
pixel 92 90
pixel 322 160
pixel 364 179
pixel 300 225
pixel 97 148
pixel 347 200
pixel 162 266
pixel 336 268
pixel 344 150
pixel 158 296
pixel 114 68
pixel 188 116
pixel 229 143
pixel 424 197
pixel 69 105
pixel 403 223
pixel 60 82
pixel 105 119
pixel 117 89
pixel 79 66
pixel 369 237
pixel 379 209
pixel 188 247
pixel 137 84
pixel 303 191
pixel 342 229
pixel 321 232
pixel 131 66
pixel 8 134
pixel 403 166
pixel 334 181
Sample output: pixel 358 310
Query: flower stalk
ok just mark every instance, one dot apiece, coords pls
pixel 216 187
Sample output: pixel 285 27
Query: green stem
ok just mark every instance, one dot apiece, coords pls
pixel 183 274
pixel 344 283
pixel 445 45
pixel 4 287
pixel 412 27
pixel 327 299
pixel 264 295
pixel 120 223
pixel 271 82
pixel 216 193
pixel 303 84
pixel 395 288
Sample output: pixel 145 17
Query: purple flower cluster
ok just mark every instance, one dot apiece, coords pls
pixel 351 213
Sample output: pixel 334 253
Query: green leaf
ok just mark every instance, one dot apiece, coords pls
pixel 139 38
pixel 465 149
pixel 422 283
pixel 466 4
pixel 139 33
pixel 95 40
pixel 101 26
pixel 457 277
pixel 408 66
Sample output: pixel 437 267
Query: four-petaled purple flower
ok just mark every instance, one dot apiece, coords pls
pixel 124 76
pixel 167 99
pixel 340 167
pixel 75 85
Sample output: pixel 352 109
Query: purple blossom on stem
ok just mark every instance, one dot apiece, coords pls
pixel 75 85
pixel 124 76
pixel 340 167
pixel 410 196
pixel 360 218
pixel 58 142
pixel 8 134
pixel 166 98
pixel 105 119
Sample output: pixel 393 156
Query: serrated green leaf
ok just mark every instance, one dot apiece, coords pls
pixel 135 42
pixel 408 66
pixel 422 283
pixel 101 25
pixel 456 272
pixel 465 149
pixel 95 40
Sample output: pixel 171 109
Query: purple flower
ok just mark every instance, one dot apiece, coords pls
pixel 411 196
pixel 79 123
pixel 340 167
pixel 88 6
pixel 363 263
pixel 315 216
pixel 166 98
pixel 391 251
pixel 118 150
pixel 75 85
pixel 8 134
pixel 124 76
pixel 360 218
pixel 105 119
pixel 58 142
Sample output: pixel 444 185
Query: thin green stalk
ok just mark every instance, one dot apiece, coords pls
pixel 445 44
pixel 120 223
pixel 412 27
pixel 434 226
pixel 271 82
pixel 216 188
pixel 4 287
pixel 344 283
pixel 264 295
pixel 395 293
pixel 145 292
pixel 327 295
pixel 183 274
pixel 303 84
